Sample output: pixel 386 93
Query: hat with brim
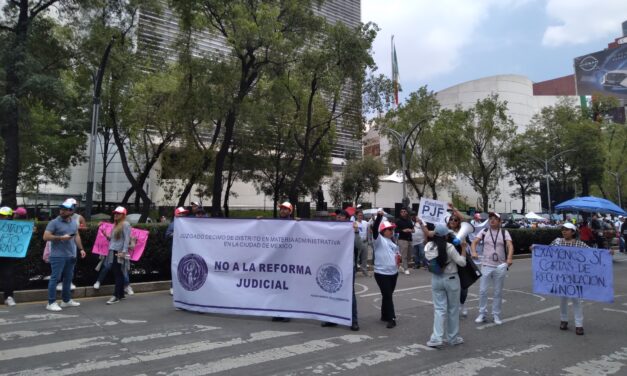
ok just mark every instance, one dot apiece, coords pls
pixel 66 205
pixel 120 210
pixel 494 214
pixel 441 230
pixel 569 226
pixel 385 225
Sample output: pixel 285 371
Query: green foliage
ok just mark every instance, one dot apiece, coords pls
pixel 525 173
pixel 488 129
pixel 361 176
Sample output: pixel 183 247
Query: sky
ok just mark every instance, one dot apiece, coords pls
pixel 442 43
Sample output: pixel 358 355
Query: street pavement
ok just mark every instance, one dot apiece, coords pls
pixel 146 335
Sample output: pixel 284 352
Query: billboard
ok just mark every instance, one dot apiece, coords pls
pixel 604 71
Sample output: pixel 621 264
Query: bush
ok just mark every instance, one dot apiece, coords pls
pixel 523 238
pixel 154 265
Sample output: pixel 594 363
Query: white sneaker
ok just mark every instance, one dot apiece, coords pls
pixel 497 320
pixel 406 271
pixel 97 285
pixel 456 341
pixel 129 290
pixel 480 318
pixel 464 311
pixel 60 286
pixel 401 269
pixel 10 301
pixel 431 343
pixel 113 300
pixel 171 291
pixel 54 307
pixel 70 303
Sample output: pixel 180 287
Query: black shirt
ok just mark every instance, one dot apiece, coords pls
pixel 402 224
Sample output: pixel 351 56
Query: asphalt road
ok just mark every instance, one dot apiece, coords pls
pixel 145 335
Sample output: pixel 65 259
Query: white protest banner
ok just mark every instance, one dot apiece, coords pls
pixel 264 267
pixel 433 211
pixel 573 272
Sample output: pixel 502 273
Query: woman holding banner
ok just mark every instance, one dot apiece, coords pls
pixel 118 255
pixel 386 261
pixel 569 239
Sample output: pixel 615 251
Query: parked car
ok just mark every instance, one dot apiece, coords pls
pixel 134 218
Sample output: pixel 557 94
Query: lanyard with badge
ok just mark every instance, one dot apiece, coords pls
pixel 495 255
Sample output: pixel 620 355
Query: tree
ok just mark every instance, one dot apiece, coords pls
pixel 524 172
pixel 27 77
pixel 410 119
pixel 361 176
pixel 488 129
pixel 258 35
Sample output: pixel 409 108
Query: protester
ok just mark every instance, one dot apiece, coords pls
pixel 195 209
pixel 169 232
pixel 418 243
pixel 362 243
pixel 342 217
pixel 118 256
pixel 386 254
pixel 623 234
pixel 445 287
pixel 7 264
pixel 453 223
pixel 586 235
pixel 82 224
pixel 285 212
pixel 569 239
pixel 498 253
pixel 62 233
pixel 479 225
pixel 404 229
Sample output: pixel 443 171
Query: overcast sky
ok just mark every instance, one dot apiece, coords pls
pixel 441 43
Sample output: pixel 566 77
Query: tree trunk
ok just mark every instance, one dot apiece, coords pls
pixel 10 131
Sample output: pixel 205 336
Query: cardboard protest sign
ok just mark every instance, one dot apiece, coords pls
pixel 573 272
pixel 433 211
pixel 101 245
pixel 14 238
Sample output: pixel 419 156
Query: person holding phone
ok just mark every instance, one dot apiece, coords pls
pixel 118 256
pixel 62 233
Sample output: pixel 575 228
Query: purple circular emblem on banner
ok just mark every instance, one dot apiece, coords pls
pixel 329 278
pixel 192 272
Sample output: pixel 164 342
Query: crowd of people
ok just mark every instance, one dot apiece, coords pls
pixel 397 247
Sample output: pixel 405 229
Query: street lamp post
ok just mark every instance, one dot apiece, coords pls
pixel 546 174
pixel 403 139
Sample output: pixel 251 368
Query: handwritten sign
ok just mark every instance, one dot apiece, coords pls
pixel 433 211
pixel 101 245
pixel 573 272
pixel 14 238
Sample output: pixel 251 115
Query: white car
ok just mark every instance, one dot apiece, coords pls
pixel 134 218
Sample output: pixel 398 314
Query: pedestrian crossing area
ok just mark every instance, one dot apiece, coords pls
pixel 100 341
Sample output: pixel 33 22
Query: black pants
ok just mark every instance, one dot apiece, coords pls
pixel 118 291
pixel 7 265
pixel 463 295
pixel 354 308
pixel 387 284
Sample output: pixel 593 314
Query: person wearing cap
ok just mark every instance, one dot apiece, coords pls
pixel 195 208
pixel 82 224
pixel 118 256
pixel 479 226
pixel 169 232
pixel 285 212
pixel 7 264
pixel 454 224
pixel 445 287
pixel 62 233
pixel 386 254
pixel 404 229
pixel 498 253
pixel 362 242
pixel 569 239
pixel 106 266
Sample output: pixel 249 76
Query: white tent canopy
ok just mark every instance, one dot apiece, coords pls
pixel 396 177
pixel 534 217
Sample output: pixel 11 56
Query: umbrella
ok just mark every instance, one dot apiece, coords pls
pixel 590 204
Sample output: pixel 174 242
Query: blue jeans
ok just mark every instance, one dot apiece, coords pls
pixel 105 269
pixel 62 267
pixel 419 255
pixel 445 293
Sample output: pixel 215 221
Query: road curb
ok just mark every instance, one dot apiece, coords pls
pixel 24 296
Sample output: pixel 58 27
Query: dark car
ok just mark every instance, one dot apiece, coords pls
pixel 616 79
